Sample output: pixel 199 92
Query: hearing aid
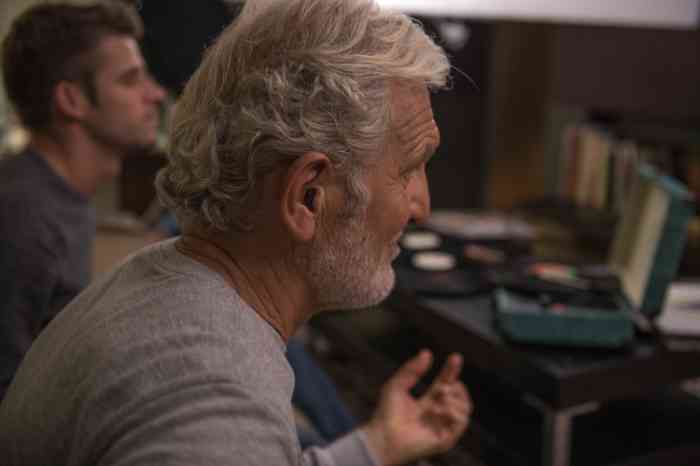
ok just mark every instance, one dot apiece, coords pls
pixel 310 199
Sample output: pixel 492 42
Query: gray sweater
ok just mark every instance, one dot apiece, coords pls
pixel 158 363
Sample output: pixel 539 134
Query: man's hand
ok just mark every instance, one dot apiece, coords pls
pixel 404 428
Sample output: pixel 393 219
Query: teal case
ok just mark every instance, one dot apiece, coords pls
pixel 646 251
pixel 526 320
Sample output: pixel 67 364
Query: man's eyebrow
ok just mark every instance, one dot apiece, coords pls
pixel 428 152
pixel 129 72
pixel 423 157
pixel 430 149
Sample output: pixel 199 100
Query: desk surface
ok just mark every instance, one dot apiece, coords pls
pixel 559 377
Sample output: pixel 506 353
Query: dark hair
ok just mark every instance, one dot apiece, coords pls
pixel 52 42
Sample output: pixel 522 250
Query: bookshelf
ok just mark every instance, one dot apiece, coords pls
pixel 626 90
pixel 597 160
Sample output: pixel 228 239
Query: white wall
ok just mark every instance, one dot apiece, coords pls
pixel 682 14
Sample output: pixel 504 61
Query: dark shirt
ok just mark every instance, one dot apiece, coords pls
pixel 46 235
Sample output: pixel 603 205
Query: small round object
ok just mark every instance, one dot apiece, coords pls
pixel 434 261
pixel 420 240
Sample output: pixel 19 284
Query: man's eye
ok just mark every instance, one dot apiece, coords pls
pixel 131 78
pixel 128 80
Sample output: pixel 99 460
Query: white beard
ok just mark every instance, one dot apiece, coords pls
pixel 343 271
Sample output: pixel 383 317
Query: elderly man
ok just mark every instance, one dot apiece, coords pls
pixel 298 156
pixel 78 83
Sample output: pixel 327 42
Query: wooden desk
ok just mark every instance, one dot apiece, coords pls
pixel 561 383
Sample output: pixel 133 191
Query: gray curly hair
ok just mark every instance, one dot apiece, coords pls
pixel 295 77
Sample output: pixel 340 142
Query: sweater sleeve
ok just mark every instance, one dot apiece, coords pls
pixel 349 450
pixel 208 424
pixel 173 400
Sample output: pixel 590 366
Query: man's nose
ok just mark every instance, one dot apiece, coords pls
pixel 420 198
pixel 156 92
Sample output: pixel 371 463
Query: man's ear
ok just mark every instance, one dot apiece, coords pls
pixel 303 194
pixel 70 100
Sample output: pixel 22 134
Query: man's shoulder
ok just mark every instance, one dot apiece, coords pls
pixel 174 327
pixel 32 202
pixel 159 288
pixel 23 180
pixel 24 226
pixel 22 162
pixel 167 294
pixel 24 215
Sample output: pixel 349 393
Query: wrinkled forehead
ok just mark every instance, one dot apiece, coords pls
pixel 412 113
pixel 408 98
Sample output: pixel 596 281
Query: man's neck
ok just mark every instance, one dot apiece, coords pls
pixel 80 162
pixel 259 277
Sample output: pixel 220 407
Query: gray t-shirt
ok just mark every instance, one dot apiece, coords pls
pixel 158 362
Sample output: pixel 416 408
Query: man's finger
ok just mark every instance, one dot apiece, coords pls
pixel 450 370
pixel 408 374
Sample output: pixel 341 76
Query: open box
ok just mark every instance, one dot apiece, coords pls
pixel 645 254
